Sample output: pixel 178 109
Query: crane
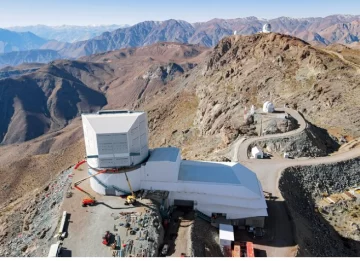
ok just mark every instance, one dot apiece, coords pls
pixel 90 200
pixel 131 199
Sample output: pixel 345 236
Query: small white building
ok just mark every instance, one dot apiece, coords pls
pixel 226 236
pixel 257 153
pixel 266 28
pixel 268 107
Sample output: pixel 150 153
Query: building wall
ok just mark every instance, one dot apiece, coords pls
pixel 138 139
pixel 236 191
pixel 114 149
pixel 218 200
pixel 90 142
pixel 116 179
pixel 162 171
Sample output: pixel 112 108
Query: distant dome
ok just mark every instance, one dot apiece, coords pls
pixel 266 28
pixel 268 107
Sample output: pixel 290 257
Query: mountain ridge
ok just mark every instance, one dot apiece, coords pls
pixel 209 33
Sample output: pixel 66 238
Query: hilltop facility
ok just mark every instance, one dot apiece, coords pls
pixel 118 141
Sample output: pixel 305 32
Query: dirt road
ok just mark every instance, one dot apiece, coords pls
pixel 268 171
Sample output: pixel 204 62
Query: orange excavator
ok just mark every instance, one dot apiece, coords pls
pixel 90 200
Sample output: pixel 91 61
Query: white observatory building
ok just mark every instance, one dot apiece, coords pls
pixel 117 142
pixel 266 28
pixel 268 107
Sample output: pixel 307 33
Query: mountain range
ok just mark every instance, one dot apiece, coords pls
pixel 11 41
pixel 344 29
pixel 66 33
pixel 194 96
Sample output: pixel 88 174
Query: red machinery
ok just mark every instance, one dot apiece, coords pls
pixel 106 238
pixel 243 249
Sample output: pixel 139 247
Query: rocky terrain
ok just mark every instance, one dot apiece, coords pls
pixel 312 142
pixel 74 42
pixel 322 31
pixel 13 71
pixel 190 95
pixel 195 99
pixel 29 224
pixel 316 236
pixel 205 238
pixel 51 97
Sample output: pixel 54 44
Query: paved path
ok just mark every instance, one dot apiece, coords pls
pixel 268 172
pixel 243 147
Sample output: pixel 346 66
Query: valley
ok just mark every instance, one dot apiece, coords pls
pixel 196 98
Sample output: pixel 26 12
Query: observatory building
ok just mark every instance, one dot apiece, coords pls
pixel 266 28
pixel 117 142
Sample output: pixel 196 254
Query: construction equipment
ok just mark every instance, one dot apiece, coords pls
pixel 131 199
pixel 90 200
pixel 243 249
pixel 106 238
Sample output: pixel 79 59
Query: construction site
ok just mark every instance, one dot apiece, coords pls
pixel 126 200
pixel 137 202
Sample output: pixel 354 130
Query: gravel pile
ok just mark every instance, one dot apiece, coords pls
pixel 314 235
pixel 205 239
pixel 28 226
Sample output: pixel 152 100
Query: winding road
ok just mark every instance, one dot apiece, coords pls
pixel 269 169
pixel 268 172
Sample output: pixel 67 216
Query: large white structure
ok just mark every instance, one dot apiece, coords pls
pixel 268 107
pixel 226 189
pixel 115 138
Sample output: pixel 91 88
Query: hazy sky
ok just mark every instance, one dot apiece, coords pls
pixel 86 12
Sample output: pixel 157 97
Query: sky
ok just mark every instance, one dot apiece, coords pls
pixel 87 12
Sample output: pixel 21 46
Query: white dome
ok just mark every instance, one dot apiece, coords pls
pixel 266 28
pixel 268 107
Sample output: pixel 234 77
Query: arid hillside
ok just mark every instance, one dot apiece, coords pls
pixel 194 97
pixel 49 98
pixel 43 106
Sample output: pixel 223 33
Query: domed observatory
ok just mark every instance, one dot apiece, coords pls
pixel 268 107
pixel 266 28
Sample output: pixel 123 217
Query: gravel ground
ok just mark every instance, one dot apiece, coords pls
pixel 314 235
pixel 29 224
pixel 87 225
pixel 205 240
